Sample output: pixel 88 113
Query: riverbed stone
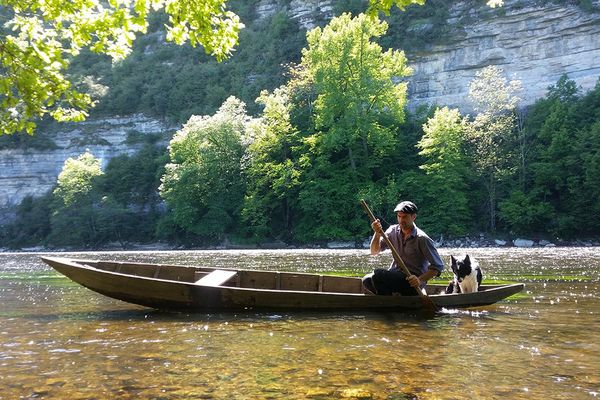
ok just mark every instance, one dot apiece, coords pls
pixel 355 394
pixel 318 393
pixel 523 243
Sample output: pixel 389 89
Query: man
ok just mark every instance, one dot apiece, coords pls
pixel 415 248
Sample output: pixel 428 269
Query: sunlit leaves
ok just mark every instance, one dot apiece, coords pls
pixel 356 83
pixel 357 101
pixel 447 168
pixel 76 178
pixel 42 36
pixel 272 168
pixel 386 5
pixel 492 94
pixel 495 100
pixel 203 183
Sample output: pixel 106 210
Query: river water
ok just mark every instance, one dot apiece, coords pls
pixel 61 341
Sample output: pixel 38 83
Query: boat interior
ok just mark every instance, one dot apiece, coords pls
pixel 268 280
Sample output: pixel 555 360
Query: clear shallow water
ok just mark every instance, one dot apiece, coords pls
pixel 61 341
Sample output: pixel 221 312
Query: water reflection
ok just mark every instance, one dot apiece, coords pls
pixel 59 340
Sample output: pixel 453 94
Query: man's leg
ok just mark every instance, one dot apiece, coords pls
pixel 387 282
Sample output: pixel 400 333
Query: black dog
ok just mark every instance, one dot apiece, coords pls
pixel 467 275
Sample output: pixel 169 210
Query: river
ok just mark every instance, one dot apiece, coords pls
pixel 61 341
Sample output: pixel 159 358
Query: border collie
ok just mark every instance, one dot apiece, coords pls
pixel 467 275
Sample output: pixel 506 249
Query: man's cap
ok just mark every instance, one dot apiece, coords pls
pixel 407 207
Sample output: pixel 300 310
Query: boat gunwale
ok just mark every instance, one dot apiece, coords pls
pixel 80 263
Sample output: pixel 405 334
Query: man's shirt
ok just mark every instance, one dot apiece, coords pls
pixel 418 251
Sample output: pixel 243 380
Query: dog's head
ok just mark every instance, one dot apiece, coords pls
pixel 461 267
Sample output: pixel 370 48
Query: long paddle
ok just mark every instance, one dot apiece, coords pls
pixel 427 302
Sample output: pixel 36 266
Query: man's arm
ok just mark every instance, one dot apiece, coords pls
pixel 375 246
pixel 416 281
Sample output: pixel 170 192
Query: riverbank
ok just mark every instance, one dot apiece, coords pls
pixel 480 241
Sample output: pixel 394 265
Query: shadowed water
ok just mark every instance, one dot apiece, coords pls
pixel 61 341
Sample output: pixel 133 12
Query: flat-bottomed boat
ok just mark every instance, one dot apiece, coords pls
pixel 178 287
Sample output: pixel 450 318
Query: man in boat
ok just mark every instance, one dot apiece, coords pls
pixel 416 250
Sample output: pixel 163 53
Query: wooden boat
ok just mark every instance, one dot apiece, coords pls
pixel 177 287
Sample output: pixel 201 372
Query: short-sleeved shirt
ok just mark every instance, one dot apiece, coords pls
pixel 418 251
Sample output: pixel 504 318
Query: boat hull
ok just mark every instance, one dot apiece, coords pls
pixel 183 292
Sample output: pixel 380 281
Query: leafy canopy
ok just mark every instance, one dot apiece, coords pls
pixel 203 183
pixel 76 178
pixel 495 99
pixel 356 101
pixel 443 148
pixel 41 37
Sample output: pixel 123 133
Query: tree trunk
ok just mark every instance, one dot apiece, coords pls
pixel 492 200
pixel 351 158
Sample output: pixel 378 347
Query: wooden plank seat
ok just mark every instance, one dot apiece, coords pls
pixel 216 278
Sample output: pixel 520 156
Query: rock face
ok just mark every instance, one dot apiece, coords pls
pixel 34 172
pixel 532 42
pixel 306 12
pixel 535 44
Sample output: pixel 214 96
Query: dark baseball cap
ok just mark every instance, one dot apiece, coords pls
pixel 407 207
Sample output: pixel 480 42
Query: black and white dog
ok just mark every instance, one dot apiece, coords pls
pixel 467 275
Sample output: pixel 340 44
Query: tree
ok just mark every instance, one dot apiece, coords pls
pixel 41 37
pixel 31 225
pixel 357 88
pixel 566 164
pixel 495 101
pixel 75 181
pixel 74 217
pixel 447 169
pixel 203 183
pixel 356 105
pixel 272 169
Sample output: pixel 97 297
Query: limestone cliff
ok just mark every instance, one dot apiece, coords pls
pixel 535 44
pixel 25 172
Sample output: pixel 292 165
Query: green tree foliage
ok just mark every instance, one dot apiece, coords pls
pixel 134 180
pixel 75 181
pixel 386 5
pixel 495 101
pixel 120 204
pixel 355 110
pixel 334 133
pixel 74 219
pixel 41 37
pixel 447 169
pixel 203 183
pixel 524 214
pixel 173 82
pixel 130 199
pixel 31 226
pixel 272 170
pixel 561 190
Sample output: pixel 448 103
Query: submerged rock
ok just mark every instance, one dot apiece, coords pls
pixel 355 394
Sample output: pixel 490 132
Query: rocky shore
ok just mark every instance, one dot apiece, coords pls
pixel 465 242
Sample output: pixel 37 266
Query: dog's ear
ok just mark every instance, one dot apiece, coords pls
pixel 467 259
pixel 452 259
